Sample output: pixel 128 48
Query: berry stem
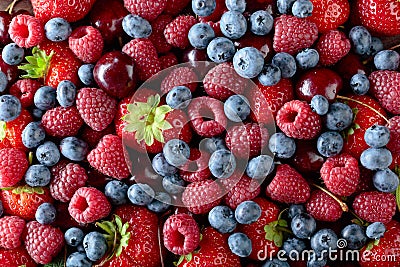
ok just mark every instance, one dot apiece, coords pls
pixel 341 203
pixel 283 229
pixel 10 7
pixel 363 104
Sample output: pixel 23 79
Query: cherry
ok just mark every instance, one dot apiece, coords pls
pixel 21 12
pixel 320 81
pixel 5 20
pixel 307 159
pixel 262 43
pixel 114 73
pixel 97 179
pixel 350 65
pixel 10 71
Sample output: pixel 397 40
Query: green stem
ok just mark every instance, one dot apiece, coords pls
pixel 283 229
pixel 363 104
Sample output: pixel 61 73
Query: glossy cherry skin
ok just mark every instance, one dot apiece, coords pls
pixel 5 20
pixel 307 159
pixel 114 73
pixel 349 66
pixel 320 81
pixel 10 71
pixel 262 43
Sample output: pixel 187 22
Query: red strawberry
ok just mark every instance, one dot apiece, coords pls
pixel 13 166
pixel 375 206
pixel 10 132
pixel 146 9
pixel 25 90
pixel 329 14
pixel 385 86
pixel 11 228
pixel 201 197
pixel 62 122
pixel 70 11
pixel 197 168
pixel 293 34
pixel 87 43
pixel 26 31
pixel 176 32
pixel 168 60
pixel 332 46
pixel 323 207
pixel 16 257
pixel 174 7
pixel 157 35
pixel 394 127
pixel 288 186
pixel 179 76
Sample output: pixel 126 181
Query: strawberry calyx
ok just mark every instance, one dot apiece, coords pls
pixel 147 119
pixel 25 189
pixel 3 127
pixel 274 230
pixel 38 64
pixel 398 197
pixel 371 244
pixel 188 257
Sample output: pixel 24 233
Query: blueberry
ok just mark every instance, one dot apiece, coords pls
pixel 200 35
pixel 179 97
pixel 330 144
pixel 270 75
pixel 213 144
pixel 10 108
pixel 12 54
pixel 57 29
pixel 80 248
pixel 33 134
pixel 282 146
pixel 203 8
pixel 286 63
pixel 285 6
pixel 377 136
pixel 48 154
pixel 140 194
pixel 161 203
pixel 248 62
pixel 293 246
pixel 237 108
pixel 240 244
pixel 116 192
pixel 295 209
pixel 222 219
pixel 376 158
pixel 319 104
pixel 136 26
pixel 37 175
pixel 161 166
pixel 376 46
pixel 316 260
pixel 66 92
pixel 220 50
pixel 173 184
pixel 324 239
pixel 45 213
pixel 302 8
pixel 85 74
pixel 176 152
pixel 247 212
pixel 361 39
pixel 45 98
pixel 386 181
pixel 37 113
pixel 73 236
pixel 375 230
pixel 236 5
pixel 339 117
pixel 387 60
pixel 303 225
pixel 355 236
pixel 78 259
pixel 260 166
pixel 3 81
pixel 233 24
pixel 222 163
pixel 95 245
pixel 275 263
pixel 359 83
pixel 261 22
pixel 307 58
pixel 73 148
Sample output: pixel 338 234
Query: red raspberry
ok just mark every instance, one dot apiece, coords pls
pixel 62 122
pixel 108 157
pixel 168 60
pixel 394 127
pixel 87 43
pixel 241 188
pixel 176 32
pixel 25 90
pixel 13 165
pixel 197 168
pixel 146 9
pixel 26 31
pixel 246 140
pixel 89 205
pixel 157 35
pixel 375 206
pixel 323 207
pixel 43 242
pixel 222 81
pixel 385 86
pixel 70 178
pixel 144 56
pixel 297 120
pixel 174 7
pixel 56 169
pixel 201 197
pixel 179 76
pixel 332 47
pixel 288 186
pixel 341 174
pixel 211 109
pixel 181 234
pixel 96 108
pixel 11 228
pixel 92 137
pixel 292 34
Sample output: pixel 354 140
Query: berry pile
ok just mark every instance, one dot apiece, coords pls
pixel 200 133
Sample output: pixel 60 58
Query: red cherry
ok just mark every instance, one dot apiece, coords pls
pixel 350 65
pixel 307 159
pixel 10 71
pixel 5 20
pixel 262 43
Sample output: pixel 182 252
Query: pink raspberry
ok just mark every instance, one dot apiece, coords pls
pixel 26 31
pixel 11 228
pixel 87 43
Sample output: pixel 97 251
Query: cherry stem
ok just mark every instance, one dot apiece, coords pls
pixel 10 7
pixel 394 47
pixel 341 203
pixel 363 104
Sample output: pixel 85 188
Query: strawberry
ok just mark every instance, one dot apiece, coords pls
pixel 394 127
pixel 323 207
pixel 375 206
pixel 70 11
pixel 16 257
pixel 13 166
pixel 288 186
pixel 10 132
pixel 385 86
pixel 25 90
pixel 146 9
pixel 11 228
pixel 62 122
pixel 332 46
pixel 329 14
pixel 157 35
pixel 179 76
pixel 176 32
pixel 201 197
pixel 213 251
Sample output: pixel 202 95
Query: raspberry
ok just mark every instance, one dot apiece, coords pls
pixel 181 234
pixel 26 31
pixel 146 9
pixel 385 86
pixel 179 76
pixel 25 90
pixel 394 127
pixel 168 60
pixel 176 32
pixel 332 47
pixel 11 228
pixel 241 188
pixel 375 206
pixel 297 120
pixel 89 205
pixel 200 108
pixel 197 168
pixel 13 166
pixel 323 207
pixel 341 174
pixel 92 137
pixel 157 36
pixel 69 179
pixel 87 43
pixel 62 122
pixel 174 7
pixel 201 197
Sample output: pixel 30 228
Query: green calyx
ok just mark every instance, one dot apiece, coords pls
pixel 38 64
pixel 3 127
pixel 274 230
pixel 147 119
pixel 26 189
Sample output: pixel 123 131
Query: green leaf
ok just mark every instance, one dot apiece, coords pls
pixel 278 239
pixel 37 65
pixel 3 127
pixel 165 126
pixel 158 135
pixel 182 257
pixel 356 126
pixel 350 131
pixel 189 257
pixel 398 197
pixel 282 223
pixel 118 222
